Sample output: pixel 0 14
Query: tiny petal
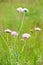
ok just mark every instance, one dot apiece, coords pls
pixel 38 29
pixel 26 35
pixel 8 30
pixel 14 33
pixel 20 9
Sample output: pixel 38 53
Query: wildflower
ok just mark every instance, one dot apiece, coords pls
pixel 20 9
pixel 26 35
pixel 14 33
pixel 25 10
pixel 8 30
pixel 38 29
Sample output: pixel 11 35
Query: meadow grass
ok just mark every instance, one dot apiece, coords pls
pixel 10 46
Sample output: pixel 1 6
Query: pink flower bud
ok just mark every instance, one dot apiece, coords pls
pixel 8 30
pixel 14 33
pixel 38 29
pixel 26 35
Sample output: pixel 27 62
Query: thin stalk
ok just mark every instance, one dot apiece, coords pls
pixel 7 38
pixel 8 49
pixel 22 22
pixel 4 40
pixel 23 46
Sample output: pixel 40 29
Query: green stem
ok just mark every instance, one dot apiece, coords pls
pixel 23 46
pixel 20 26
pixel 21 23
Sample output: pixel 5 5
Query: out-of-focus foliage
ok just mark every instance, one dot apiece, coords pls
pixel 3 0
pixel 6 0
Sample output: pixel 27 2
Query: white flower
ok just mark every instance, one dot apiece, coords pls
pixel 20 9
pixel 38 29
pixel 25 10
pixel 8 30
pixel 26 35
pixel 14 33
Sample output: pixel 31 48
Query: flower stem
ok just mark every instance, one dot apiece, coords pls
pixel 20 26
pixel 23 46
pixel 21 23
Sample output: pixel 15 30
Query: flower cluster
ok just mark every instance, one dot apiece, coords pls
pixel 14 33
pixel 25 35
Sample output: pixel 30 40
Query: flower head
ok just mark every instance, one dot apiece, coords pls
pixel 20 9
pixel 38 29
pixel 26 35
pixel 25 10
pixel 8 30
pixel 14 33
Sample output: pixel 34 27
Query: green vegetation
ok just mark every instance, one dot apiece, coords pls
pixel 10 48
